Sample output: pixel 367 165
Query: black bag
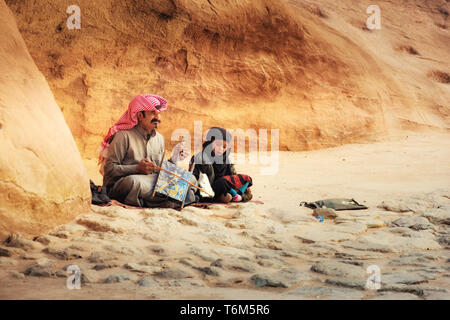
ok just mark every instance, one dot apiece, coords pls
pixel 336 204
pixel 99 195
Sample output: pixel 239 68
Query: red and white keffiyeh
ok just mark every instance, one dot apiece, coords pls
pixel 142 102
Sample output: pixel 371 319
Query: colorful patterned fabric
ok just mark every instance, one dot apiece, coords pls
pixel 239 180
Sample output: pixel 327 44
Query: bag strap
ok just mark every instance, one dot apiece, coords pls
pixel 361 205
pixel 310 205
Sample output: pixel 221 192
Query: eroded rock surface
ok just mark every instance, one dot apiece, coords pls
pixel 43 182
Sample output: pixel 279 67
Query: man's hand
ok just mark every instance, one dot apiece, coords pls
pixel 146 166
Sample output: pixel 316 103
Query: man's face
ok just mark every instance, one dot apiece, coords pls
pixel 151 120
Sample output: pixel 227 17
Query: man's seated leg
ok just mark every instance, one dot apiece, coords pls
pixel 132 188
pixel 191 197
pixel 160 201
pixel 157 201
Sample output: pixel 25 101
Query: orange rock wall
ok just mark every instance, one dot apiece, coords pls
pixel 43 182
pixel 308 68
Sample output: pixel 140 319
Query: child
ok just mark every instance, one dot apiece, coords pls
pixel 214 162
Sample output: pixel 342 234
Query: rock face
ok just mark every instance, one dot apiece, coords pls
pixel 230 63
pixel 42 179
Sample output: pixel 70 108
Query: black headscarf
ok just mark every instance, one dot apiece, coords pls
pixel 217 133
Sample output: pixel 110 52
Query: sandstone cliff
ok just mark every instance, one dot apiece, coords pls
pixel 309 68
pixel 42 179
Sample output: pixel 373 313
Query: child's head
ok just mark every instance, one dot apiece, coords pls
pixel 219 147
pixel 220 140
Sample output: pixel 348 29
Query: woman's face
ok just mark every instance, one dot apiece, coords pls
pixel 219 147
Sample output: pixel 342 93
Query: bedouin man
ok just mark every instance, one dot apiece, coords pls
pixel 132 149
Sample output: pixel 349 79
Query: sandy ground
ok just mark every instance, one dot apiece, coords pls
pixel 275 250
